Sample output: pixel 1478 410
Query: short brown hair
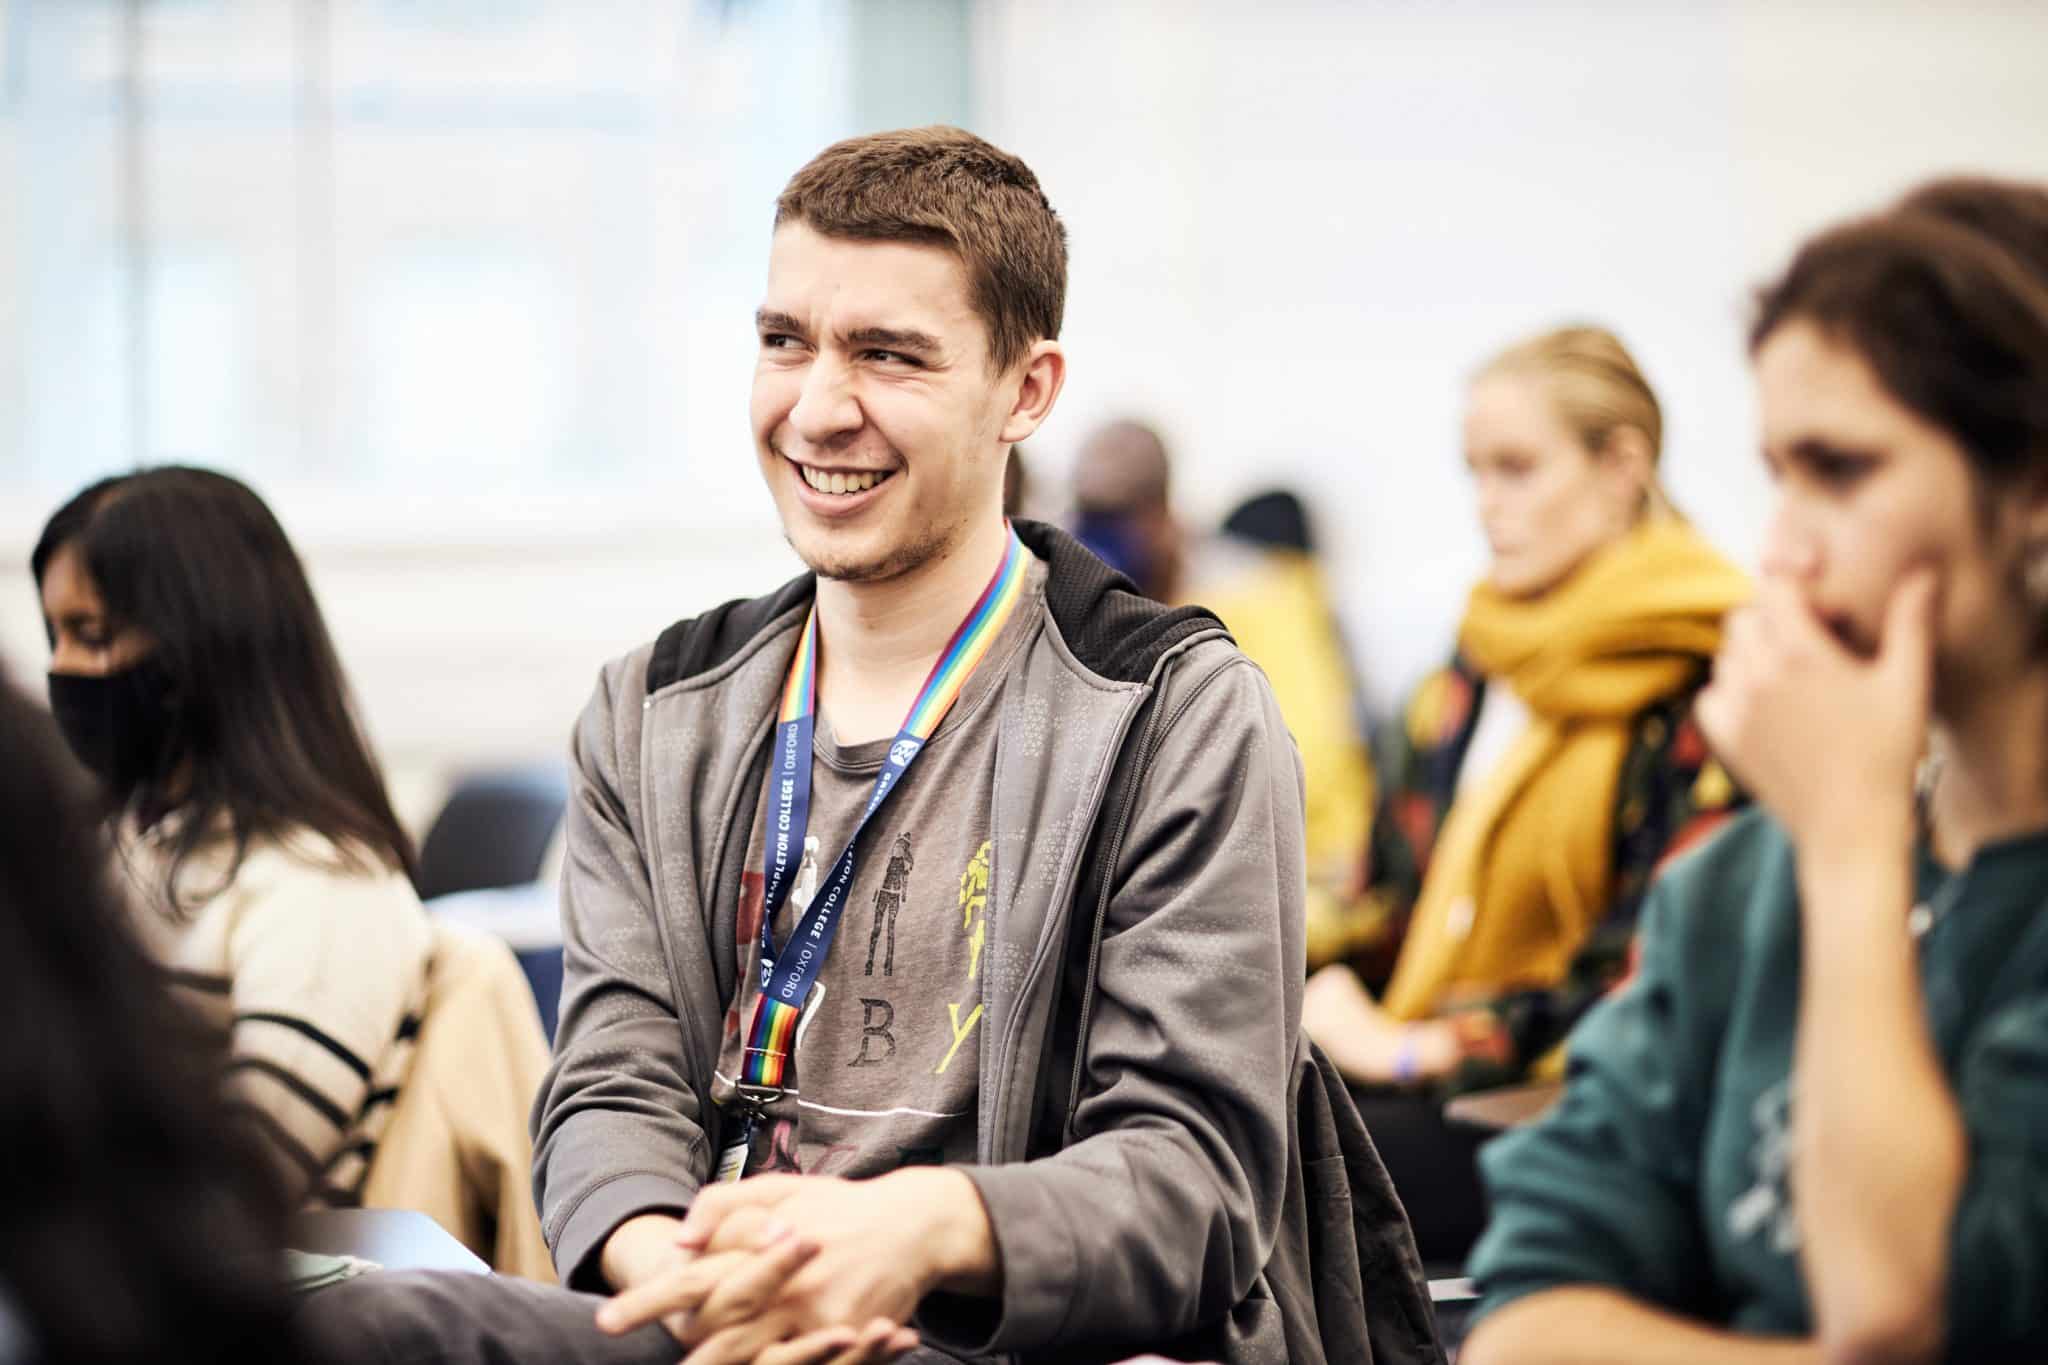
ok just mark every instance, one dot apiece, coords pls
pixel 947 187
pixel 1945 296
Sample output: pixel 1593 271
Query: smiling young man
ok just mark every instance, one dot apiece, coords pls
pixel 1049 1106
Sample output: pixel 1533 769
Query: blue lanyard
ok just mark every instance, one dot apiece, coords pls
pixel 788 975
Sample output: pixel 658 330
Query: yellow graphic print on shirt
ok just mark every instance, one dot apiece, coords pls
pixel 974 923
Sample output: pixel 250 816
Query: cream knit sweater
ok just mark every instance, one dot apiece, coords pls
pixel 313 971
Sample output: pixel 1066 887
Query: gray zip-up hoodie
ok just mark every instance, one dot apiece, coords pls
pixel 1157 1205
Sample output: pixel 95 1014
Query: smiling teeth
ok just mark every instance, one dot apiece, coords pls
pixel 840 483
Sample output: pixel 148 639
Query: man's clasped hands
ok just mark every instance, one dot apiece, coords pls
pixel 801 1269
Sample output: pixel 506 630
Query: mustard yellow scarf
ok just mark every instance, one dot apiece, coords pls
pixel 1521 869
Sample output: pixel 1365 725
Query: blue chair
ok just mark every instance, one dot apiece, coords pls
pixel 494 830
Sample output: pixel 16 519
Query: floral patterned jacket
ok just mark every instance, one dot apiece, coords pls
pixel 1672 793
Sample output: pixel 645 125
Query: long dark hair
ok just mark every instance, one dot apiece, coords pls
pixel 1945 296
pixel 264 735
pixel 137 1220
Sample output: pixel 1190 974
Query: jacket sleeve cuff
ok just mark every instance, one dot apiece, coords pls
pixel 1037 1264
pixel 580 1244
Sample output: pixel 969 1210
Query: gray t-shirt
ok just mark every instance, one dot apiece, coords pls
pixel 887 1070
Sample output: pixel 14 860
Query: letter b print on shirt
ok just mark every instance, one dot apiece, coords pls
pixel 877 1018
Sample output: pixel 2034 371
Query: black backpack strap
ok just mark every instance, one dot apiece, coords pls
pixel 1400 1319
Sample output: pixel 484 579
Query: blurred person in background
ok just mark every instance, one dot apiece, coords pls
pixel 1814 1126
pixel 1123 506
pixel 137 1221
pixel 1262 576
pixel 192 673
pixel 1534 784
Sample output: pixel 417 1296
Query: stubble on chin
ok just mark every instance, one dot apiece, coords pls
pixel 920 548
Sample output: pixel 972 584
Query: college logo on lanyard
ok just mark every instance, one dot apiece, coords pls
pixel 787 975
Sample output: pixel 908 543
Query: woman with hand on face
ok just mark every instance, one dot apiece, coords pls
pixel 1815 1124
pixel 1539 778
pixel 192 673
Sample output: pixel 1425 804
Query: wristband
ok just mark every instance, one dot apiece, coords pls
pixel 1408 1055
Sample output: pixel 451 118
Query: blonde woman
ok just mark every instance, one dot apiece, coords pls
pixel 1541 776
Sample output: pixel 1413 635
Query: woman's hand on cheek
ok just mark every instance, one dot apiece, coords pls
pixel 1827 741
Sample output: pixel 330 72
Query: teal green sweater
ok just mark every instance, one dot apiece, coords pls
pixel 1663 1172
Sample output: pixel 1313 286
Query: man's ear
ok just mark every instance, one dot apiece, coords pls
pixel 1042 374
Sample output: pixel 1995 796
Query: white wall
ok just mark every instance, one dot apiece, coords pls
pixel 1295 228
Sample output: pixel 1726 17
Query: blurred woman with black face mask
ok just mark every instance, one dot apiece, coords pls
pixel 192 673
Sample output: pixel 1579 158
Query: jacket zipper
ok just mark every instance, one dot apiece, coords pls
pixel 1115 850
pixel 1153 727
pixel 999 1124
pixel 702 1072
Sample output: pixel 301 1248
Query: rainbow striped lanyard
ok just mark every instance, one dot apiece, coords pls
pixel 787 976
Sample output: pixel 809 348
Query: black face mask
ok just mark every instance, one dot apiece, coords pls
pixel 119 724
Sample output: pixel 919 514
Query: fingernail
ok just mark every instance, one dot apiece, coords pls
pixel 774 1230
pixel 607 1319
